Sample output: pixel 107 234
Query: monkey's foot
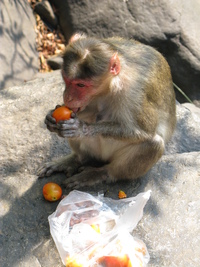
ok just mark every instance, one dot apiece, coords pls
pixel 47 169
pixel 65 164
pixel 88 177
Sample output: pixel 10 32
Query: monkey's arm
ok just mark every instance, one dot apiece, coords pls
pixel 76 128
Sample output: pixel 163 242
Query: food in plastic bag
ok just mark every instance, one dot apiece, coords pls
pixel 94 231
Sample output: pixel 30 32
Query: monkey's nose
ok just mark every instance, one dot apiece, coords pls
pixel 69 98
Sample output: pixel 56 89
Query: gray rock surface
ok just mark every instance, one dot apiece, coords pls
pixel 170 226
pixel 18 55
pixel 45 11
pixel 55 62
pixel 172 27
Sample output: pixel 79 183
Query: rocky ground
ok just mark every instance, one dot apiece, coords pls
pixel 170 225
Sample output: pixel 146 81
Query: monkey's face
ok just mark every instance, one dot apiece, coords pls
pixel 78 93
pixel 87 63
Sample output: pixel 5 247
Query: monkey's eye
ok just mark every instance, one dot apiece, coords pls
pixel 80 85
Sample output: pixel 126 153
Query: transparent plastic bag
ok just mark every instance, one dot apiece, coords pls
pixel 94 231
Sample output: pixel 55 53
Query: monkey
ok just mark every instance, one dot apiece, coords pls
pixel 123 107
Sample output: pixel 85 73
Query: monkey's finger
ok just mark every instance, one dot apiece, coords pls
pixel 71 183
pixel 88 177
pixel 73 115
pixel 51 125
pixel 70 121
pixel 46 170
pixel 67 126
pixel 57 106
pixel 67 134
pixel 78 181
pixel 50 119
pixel 52 129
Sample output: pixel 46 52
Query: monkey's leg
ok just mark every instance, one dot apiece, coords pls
pixel 135 160
pixel 68 164
pixel 88 177
pixel 130 162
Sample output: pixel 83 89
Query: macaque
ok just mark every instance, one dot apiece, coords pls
pixel 123 102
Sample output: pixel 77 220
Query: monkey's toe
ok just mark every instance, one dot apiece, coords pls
pixel 88 177
pixel 47 169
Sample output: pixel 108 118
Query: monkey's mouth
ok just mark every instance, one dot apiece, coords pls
pixel 75 110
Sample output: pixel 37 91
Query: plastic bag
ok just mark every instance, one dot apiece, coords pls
pixel 95 231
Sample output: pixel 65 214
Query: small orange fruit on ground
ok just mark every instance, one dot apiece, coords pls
pixel 62 113
pixel 122 194
pixel 52 191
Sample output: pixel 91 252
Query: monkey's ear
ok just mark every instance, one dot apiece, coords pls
pixel 115 64
pixel 76 37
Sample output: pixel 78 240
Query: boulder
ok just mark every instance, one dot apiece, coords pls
pixel 170 224
pixel 172 27
pixel 45 11
pixel 55 62
pixel 18 55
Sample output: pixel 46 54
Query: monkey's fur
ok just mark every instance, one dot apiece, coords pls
pixel 121 92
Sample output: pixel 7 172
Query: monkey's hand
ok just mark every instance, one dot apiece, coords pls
pixel 50 121
pixel 72 128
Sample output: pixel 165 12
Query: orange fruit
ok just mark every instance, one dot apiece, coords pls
pixel 122 194
pixel 52 191
pixel 113 261
pixel 62 113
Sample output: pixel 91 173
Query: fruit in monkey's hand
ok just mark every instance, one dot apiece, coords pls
pixel 62 113
pixel 52 191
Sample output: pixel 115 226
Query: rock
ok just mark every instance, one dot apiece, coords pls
pixel 45 11
pixel 194 109
pixel 172 27
pixel 186 137
pixel 169 226
pixel 18 56
pixel 55 62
